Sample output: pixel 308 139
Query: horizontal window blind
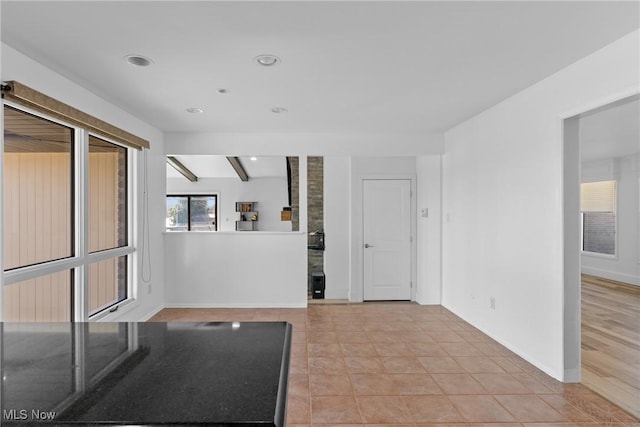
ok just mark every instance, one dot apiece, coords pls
pixel 598 196
pixel 44 104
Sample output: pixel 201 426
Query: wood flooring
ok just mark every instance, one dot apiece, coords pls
pixel 611 341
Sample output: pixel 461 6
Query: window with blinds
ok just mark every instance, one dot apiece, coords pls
pixel 598 208
pixel 598 196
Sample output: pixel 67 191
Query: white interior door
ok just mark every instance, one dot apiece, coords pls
pixel 387 239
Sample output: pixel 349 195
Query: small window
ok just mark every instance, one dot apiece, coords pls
pixel 598 209
pixel 192 213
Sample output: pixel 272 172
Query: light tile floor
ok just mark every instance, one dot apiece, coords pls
pixel 411 365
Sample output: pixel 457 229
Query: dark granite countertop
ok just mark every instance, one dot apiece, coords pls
pixel 222 373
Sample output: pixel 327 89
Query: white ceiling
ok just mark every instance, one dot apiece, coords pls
pixel 204 166
pixel 613 131
pixel 347 67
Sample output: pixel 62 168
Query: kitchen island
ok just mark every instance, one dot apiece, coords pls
pixel 211 373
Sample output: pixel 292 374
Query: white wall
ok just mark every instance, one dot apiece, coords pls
pixel 625 266
pixel 304 144
pixel 337 226
pixel 270 193
pixel 503 201
pixel 149 297
pixel 429 230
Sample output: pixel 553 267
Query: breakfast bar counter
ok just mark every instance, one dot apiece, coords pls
pixel 215 373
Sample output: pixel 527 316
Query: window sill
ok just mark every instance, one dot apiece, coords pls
pixel 601 256
pixel 105 314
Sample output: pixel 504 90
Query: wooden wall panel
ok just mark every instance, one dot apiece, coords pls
pixel 44 299
pixel 37 223
pixel 103 201
pixel 37 208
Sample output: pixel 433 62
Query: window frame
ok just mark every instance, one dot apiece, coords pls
pixel 613 256
pixel 81 259
pixel 189 196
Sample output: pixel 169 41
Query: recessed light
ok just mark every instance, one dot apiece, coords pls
pixel 254 159
pixel 222 91
pixel 267 60
pixel 138 60
pixel 195 110
pixel 279 110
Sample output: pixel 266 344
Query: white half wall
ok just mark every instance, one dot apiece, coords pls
pixel 148 295
pixel 236 269
pixel 270 193
pixel 503 204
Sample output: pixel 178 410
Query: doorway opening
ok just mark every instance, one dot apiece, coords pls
pixel 601 251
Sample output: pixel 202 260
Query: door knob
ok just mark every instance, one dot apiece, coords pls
pixel 366 245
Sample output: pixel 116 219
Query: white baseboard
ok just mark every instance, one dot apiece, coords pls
pixel 336 294
pixel 612 275
pixel 543 367
pixel 152 313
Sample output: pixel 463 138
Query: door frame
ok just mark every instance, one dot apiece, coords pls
pixel 356 291
pixel 571 253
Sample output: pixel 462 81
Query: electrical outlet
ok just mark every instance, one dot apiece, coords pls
pixel 492 303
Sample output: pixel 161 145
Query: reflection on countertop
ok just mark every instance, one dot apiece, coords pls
pixel 223 373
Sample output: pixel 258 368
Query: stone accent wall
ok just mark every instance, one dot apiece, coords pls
pixel 315 206
pixel 294 164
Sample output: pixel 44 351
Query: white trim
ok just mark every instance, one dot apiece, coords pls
pixel 31 272
pixel 80 294
pixel 599 255
pixel 122 307
pixel 572 309
pixel 152 313
pixel 600 102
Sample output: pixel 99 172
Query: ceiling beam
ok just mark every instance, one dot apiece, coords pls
pixel 237 166
pixel 177 165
